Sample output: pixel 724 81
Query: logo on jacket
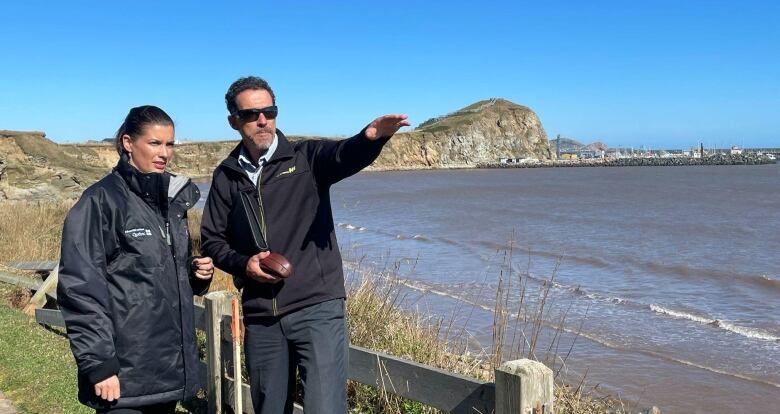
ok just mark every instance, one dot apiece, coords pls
pixel 140 232
pixel 289 171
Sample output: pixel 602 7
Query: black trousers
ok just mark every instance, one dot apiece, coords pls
pixel 164 408
pixel 314 341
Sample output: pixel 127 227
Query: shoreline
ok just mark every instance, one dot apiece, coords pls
pixel 719 159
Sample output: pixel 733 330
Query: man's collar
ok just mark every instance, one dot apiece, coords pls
pixel 243 155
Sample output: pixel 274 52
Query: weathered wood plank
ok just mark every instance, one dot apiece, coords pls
pixel 432 386
pixel 51 317
pixel 35 265
pixel 31 283
pixel 199 316
pixel 217 303
pixel 230 392
pixel 226 350
pixel 48 287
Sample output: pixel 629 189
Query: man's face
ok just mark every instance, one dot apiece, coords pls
pixel 257 134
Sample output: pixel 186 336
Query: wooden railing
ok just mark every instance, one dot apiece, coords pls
pixel 521 387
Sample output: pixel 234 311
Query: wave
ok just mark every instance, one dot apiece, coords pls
pixel 591 260
pixel 762 281
pixel 753 333
pixel 400 236
pixel 349 226
pixel 668 358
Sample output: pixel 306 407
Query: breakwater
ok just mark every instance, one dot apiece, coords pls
pixel 716 159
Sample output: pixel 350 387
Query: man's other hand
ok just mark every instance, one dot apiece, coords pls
pixel 202 267
pixel 385 126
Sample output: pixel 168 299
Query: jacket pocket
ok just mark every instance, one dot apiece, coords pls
pixel 129 282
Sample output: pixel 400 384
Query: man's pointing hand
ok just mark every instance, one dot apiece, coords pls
pixel 385 126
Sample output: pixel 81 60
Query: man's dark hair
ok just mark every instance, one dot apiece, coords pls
pixel 242 84
pixel 136 120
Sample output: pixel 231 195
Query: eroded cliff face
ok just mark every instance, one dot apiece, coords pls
pixel 34 168
pixel 484 132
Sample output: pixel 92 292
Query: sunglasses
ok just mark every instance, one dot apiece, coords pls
pixel 252 114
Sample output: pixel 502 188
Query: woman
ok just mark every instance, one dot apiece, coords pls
pixel 126 277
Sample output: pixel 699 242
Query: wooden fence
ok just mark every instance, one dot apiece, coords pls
pixel 521 387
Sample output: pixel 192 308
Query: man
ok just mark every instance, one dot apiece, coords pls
pixel 297 322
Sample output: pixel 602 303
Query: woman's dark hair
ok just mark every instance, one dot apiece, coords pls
pixel 137 119
pixel 242 84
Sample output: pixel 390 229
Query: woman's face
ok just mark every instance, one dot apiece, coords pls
pixel 152 150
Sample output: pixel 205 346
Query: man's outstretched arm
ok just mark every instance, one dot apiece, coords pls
pixel 333 161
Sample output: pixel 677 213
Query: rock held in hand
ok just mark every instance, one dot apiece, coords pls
pixel 276 265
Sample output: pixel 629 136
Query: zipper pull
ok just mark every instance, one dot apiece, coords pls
pixel 168 233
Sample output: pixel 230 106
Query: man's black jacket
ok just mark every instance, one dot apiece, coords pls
pixel 125 293
pixel 294 190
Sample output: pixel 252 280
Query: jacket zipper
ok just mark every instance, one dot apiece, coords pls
pixel 169 242
pixel 265 236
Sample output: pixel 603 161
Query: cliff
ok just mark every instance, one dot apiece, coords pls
pixel 483 132
pixel 33 167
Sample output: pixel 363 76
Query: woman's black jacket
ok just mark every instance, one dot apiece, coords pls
pixel 125 287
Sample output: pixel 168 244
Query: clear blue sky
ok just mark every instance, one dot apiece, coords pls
pixel 628 73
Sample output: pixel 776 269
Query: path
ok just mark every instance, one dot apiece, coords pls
pixel 6 407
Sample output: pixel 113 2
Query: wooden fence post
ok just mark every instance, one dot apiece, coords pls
pixel 216 304
pixel 524 387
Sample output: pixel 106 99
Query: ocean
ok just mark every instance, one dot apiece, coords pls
pixel 664 281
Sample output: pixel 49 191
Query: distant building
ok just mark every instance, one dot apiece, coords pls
pixel 526 160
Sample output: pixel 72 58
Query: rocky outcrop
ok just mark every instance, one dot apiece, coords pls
pixel 484 132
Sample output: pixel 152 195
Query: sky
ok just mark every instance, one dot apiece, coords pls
pixel 658 74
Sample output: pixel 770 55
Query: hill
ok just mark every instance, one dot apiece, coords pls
pixel 483 132
pixel 572 145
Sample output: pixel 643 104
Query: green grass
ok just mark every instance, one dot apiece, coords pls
pixel 37 369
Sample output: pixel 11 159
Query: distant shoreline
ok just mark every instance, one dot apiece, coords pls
pixel 719 159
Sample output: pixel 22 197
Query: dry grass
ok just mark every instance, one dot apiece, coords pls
pixel 31 230
pixel 376 321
